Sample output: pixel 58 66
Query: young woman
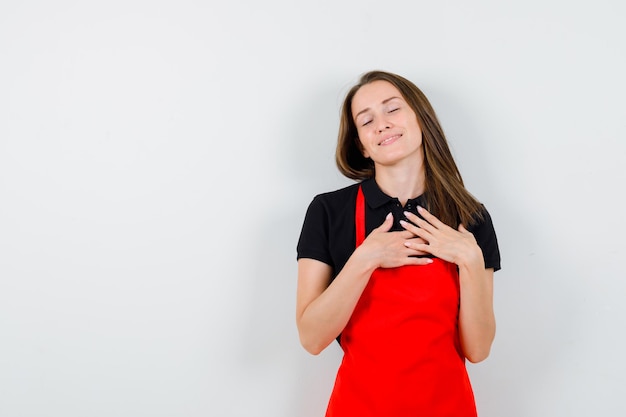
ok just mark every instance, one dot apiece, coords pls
pixel 398 267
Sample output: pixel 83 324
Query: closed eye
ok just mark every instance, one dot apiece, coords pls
pixel 394 109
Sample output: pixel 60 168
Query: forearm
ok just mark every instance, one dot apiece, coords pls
pixel 323 310
pixel 477 324
pixel 325 317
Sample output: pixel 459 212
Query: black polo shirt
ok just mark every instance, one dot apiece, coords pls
pixel 329 233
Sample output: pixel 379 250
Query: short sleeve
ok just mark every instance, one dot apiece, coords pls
pixel 485 235
pixel 314 237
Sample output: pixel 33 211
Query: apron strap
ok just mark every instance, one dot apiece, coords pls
pixel 359 217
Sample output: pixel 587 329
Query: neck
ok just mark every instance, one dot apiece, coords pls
pixel 404 182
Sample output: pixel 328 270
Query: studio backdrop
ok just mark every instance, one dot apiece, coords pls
pixel 157 159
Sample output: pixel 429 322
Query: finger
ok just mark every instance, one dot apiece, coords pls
pixel 386 225
pixel 406 234
pixel 424 248
pixel 466 233
pixel 420 230
pixel 429 217
pixel 415 252
pixel 419 261
pixel 419 222
pixel 418 239
pixel 409 227
pixel 416 246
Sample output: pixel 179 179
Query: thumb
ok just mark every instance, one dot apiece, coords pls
pixel 387 224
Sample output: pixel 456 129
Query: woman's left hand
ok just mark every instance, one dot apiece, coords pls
pixel 456 246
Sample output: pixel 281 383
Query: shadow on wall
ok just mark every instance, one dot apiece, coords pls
pixel 272 354
pixel 536 300
pixel 496 392
pixel 538 313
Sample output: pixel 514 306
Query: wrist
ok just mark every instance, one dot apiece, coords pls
pixel 472 260
pixel 364 261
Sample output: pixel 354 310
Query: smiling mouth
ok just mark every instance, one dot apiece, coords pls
pixel 389 140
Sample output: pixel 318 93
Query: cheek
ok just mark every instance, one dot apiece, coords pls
pixel 361 147
pixel 363 150
pixel 359 134
pixel 418 131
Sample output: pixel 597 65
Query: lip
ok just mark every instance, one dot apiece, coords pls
pixel 389 139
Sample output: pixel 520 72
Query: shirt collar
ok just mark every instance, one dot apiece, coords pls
pixel 376 198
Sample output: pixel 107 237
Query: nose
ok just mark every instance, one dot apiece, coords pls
pixel 383 125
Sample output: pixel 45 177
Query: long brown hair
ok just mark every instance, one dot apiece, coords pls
pixel 445 193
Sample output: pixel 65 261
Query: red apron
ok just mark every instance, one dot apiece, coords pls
pixel 402 356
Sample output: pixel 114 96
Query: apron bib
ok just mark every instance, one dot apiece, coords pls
pixel 402 355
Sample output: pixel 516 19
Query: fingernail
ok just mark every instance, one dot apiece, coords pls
pixel 388 216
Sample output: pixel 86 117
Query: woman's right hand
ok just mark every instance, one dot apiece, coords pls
pixel 324 305
pixel 385 249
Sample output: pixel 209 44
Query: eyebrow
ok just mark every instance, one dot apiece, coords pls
pixel 367 108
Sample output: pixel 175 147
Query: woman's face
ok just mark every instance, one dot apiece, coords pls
pixel 386 125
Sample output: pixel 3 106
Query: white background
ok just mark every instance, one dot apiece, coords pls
pixel 157 158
